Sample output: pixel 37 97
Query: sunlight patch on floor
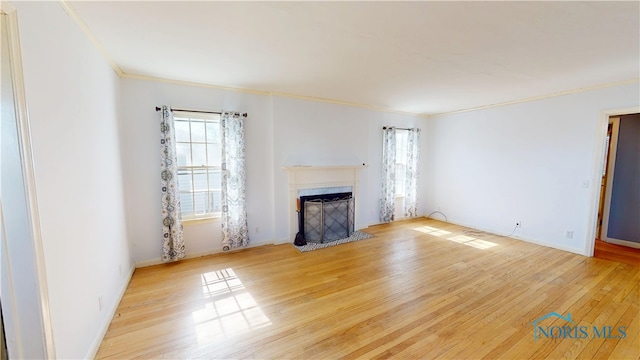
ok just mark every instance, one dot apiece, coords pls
pixel 432 231
pixel 230 311
pixel 461 239
pixel 473 242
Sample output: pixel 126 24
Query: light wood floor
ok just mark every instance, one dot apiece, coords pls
pixel 623 254
pixel 417 289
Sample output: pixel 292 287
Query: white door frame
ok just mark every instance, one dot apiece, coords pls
pixel 596 172
pixel 615 131
pixel 36 254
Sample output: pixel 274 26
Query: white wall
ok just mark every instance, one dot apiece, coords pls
pixel 73 101
pixel 531 162
pixel 317 133
pixel 279 132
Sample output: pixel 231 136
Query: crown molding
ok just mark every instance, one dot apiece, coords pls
pixel 266 93
pixel 192 83
pixel 6 8
pixel 534 98
pixel 346 103
pixel 83 26
pixel 69 9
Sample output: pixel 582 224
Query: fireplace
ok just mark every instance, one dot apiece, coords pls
pixel 322 180
pixel 326 217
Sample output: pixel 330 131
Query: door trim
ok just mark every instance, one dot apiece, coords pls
pixel 615 131
pixel 611 165
pixel 29 183
pixel 596 172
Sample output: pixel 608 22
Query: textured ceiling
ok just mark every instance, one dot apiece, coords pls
pixel 419 57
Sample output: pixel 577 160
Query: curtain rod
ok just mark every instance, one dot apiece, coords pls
pixel 399 128
pixel 197 111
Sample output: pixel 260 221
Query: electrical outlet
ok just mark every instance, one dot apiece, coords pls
pixel 569 234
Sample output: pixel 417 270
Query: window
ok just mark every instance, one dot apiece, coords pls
pixel 199 153
pixel 402 143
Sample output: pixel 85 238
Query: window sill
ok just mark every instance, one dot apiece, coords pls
pixel 198 221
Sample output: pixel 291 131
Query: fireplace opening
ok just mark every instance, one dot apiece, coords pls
pixel 325 218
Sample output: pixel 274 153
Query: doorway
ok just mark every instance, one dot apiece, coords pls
pixel 617 232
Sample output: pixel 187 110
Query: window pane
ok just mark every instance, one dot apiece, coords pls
pixel 401 156
pixel 214 153
pixel 182 131
pixel 199 154
pixel 197 130
pixel 215 201
pixel 200 203
pixel 186 202
pixel 401 170
pixel 402 143
pixel 183 154
pixel 184 180
pixel 200 180
pixel 198 145
pixel 215 179
pixel 213 132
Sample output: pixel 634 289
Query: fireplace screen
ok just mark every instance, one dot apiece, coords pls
pixel 328 219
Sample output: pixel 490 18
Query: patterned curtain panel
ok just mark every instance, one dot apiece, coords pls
pixel 411 179
pixel 387 201
pixel 234 208
pixel 172 242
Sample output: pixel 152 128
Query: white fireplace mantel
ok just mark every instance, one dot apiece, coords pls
pixel 311 177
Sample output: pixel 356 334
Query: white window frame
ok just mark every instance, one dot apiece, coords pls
pixel 192 168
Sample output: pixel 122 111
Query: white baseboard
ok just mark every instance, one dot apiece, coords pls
pixel 518 237
pixel 398 219
pixel 282 241
pixel 145 263
pixel 158 260
pixel 95 346
pixel 555 246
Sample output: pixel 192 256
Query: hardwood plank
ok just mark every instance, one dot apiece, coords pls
pixel 619 253
pixel 418 289
pixel 622 349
